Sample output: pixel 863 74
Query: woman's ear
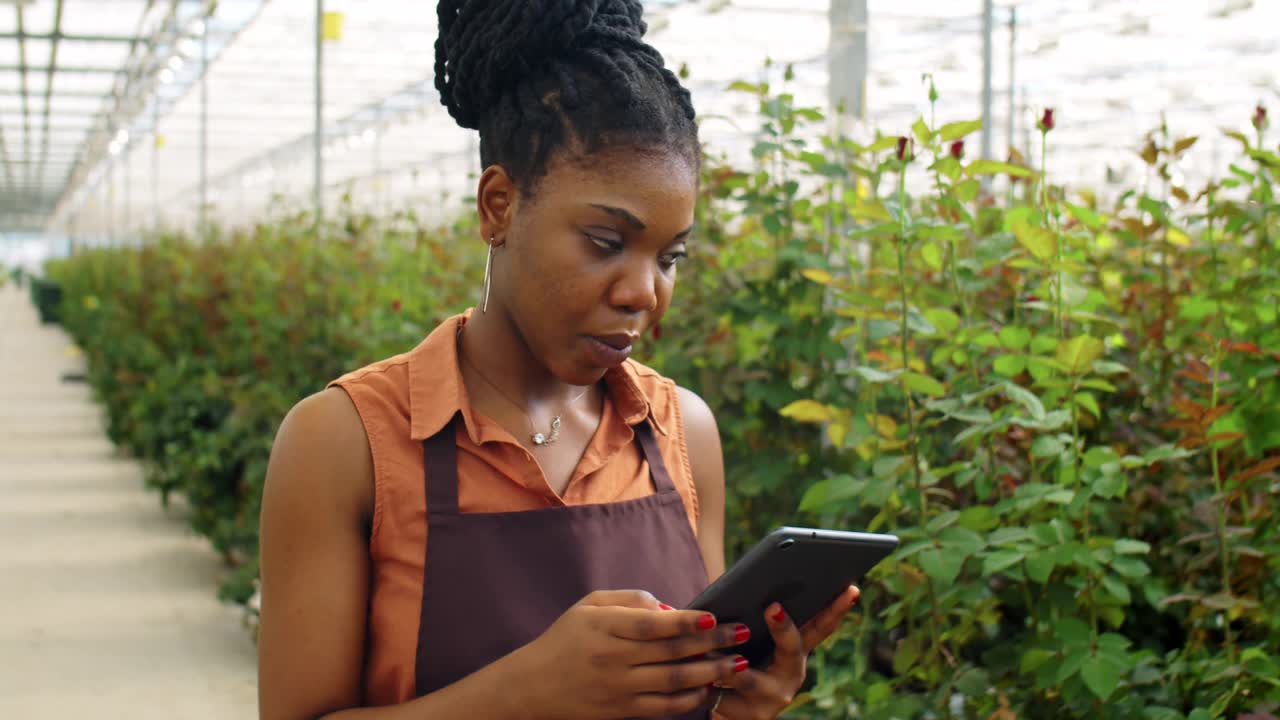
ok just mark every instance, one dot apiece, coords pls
pixel 496 199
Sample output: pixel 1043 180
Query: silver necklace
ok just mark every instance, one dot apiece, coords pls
pixel 538 439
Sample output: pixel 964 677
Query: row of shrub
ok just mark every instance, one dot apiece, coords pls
pixel 1068 410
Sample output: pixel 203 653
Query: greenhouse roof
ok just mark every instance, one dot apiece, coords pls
pixel 100 100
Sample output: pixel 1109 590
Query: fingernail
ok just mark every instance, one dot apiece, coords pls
pixel 740 664
pixel 706 622
pixel 856 595
pixel 741 634
pixel 780 615
pixel 665 606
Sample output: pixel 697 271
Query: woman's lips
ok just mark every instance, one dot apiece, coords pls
pixel 609 350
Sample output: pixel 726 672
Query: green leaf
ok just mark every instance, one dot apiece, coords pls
pixel 948 167
pixel 876 375
pixel 932 255
pixel 961 540
pixel 1010 365
pixel 977 517
pixel 888 142
pixel 924 384
pixel 1078 353
pixel 1117 588
pixel 1047 446
pixel 994 167
pixel 1014 337
pixel 1074 632
pixel 1027 399
pixel 810 411
pixel 1101 677
pixel 1096 384
pixel 1034 658
pixel 1088 402
pixel 1040 566
pixel 1131 547
pixel 1106 367
pixel 922 132
pixel 1109 486
pixel 1001 560
pixel 1085 216
pixel 1130 567
pixel 941 565
pixel 944 320
pixel 957 130
pixel 1071 664
pixel 1040 242
pixel 965 191
pixel 822 277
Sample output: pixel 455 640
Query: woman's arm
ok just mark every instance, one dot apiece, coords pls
pixel 706 459
pixel 316 509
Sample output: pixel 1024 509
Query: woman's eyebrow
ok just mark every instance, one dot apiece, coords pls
pixel 625 215
pixel 634 221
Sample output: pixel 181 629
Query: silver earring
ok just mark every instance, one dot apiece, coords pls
pixel 488 268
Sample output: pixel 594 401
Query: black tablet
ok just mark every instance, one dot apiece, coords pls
pixel 804 569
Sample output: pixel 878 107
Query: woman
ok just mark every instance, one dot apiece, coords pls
pixel 498 522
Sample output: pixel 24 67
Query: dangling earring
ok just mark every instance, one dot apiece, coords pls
pixel 488 268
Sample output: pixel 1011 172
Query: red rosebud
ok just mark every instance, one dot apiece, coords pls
pixel 1260 117
pixel 904 148
pixel 957 149
pixel 657 331
pixel 1046 122
pixel 395 305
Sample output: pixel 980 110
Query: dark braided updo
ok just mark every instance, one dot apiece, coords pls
pixel 537 77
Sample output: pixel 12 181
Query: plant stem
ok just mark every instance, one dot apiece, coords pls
pixel 1057 242
pixel 1224 560
pixel 1088 530
pixel 935 645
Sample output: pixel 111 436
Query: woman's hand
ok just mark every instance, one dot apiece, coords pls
pixel 615 654
pixel 761 695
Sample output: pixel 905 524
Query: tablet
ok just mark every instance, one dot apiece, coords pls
pixel 804 569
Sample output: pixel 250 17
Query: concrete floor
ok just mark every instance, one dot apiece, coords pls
pixel 108 604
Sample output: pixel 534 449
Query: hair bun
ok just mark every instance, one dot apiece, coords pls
pixel 487 47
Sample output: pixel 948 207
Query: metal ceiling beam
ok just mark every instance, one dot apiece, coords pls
pixel 56 36
pixel 73 70
pixel 22 86
pixel 48 90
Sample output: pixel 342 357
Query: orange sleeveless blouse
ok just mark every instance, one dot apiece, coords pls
pixel 407 398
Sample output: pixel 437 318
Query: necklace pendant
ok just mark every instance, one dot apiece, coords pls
pixel 539 439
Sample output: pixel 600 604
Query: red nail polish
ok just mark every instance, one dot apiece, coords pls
pixel 706 622
pixel 665 606
pixel 740 664
pixel 780 615
pixel 741 634
pixel 857 594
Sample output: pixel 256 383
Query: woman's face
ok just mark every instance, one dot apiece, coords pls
pixel 589 259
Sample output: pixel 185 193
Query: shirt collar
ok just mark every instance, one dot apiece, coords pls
pixel 437 391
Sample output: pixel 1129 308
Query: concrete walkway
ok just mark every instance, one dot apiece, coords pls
pixel 108 604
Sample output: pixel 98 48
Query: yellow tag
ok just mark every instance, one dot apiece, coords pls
pixel 161 141
pixel 332 27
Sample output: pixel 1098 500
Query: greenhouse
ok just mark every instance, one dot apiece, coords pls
pixel 973 308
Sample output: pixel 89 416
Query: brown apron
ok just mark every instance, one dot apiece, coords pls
pixel 493 582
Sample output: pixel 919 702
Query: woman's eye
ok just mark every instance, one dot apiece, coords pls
pixel 670 259
pixel 605 243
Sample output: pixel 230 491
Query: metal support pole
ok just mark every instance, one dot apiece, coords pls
pixel 987 28
pixel 204 130
pixel 1013 57
pixel 155 168
pixel 847 62
pixel 319 130
pixel 128 194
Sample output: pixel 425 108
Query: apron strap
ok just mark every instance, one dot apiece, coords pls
pixel 657 467
pixel 440 465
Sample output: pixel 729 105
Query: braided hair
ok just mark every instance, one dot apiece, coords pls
pixel 538 77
